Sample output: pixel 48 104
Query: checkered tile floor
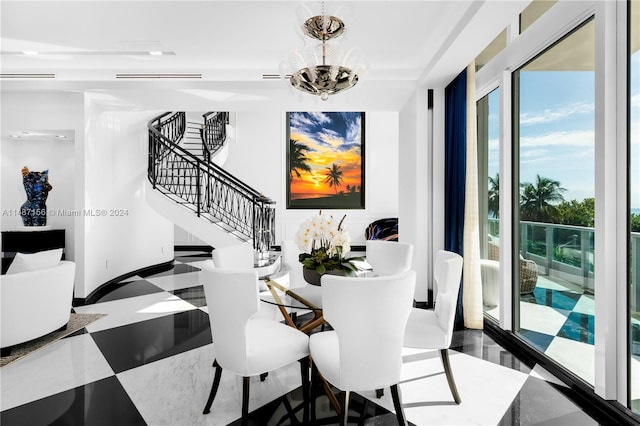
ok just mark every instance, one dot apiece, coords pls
pixel 148 362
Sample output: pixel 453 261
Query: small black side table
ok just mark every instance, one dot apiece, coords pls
pixel 29 242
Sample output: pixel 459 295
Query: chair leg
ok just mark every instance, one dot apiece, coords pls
pixel 444 354
pixel 245 401
pixel 344 414
pixel 214 387
pixel 304 374
pixel 397 404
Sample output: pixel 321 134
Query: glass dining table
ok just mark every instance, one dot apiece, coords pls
pixel 305 298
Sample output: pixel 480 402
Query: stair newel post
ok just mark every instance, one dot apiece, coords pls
pixel 198 190
pixel 152 160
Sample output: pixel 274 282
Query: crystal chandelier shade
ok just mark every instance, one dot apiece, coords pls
pixel 323 67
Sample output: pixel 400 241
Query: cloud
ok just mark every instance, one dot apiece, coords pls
pixel 635 101
pixel 583 138
pixel 559 112
pixel 531 153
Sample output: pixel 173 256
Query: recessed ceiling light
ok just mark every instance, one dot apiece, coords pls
pixel 30 52
pixel 14 136
pixel 61 136
pixel 25 133
pixel 155 53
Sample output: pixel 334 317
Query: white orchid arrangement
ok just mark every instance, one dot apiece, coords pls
pixel 324 245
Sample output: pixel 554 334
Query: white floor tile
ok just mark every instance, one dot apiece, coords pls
pixel 134 309
pixel 63 365
pixel 585 305
pixel 177 281
pixel 486 389
pixel 576 356
pixel 191 374
pixel 542 319
pixel 543 374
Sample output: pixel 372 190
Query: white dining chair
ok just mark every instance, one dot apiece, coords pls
pixel 245 343
pixel 433 329
pixel 388 257
pixel 236 256
pixel 241 257
pixel 364 350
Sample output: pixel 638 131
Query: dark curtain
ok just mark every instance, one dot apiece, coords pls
pixel 455 172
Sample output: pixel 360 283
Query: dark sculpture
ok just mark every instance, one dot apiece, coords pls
pixel 37 187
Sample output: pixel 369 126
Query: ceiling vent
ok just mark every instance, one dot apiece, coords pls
pixel 274 76
pixel 152 76
pixel 27 76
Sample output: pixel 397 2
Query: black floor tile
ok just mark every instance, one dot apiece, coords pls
pixel 180 268
pixel 287 410
pixel 100 403
pixel 193 257
pixel 127 289
pixel 193 295
pixel 541 403
pixel 144 342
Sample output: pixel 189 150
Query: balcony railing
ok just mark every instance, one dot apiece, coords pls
pixel 567 252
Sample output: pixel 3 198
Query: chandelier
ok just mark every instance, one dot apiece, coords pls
pixel 323 67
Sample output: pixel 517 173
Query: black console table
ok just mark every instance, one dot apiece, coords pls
pixel 29 242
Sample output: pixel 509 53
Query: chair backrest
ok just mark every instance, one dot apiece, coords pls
pixel 447 275
pixel 389 257
pixel 232 298
pixel 290 252
pixel 369 316
pixel 237 256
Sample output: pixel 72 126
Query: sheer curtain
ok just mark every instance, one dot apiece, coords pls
pixel 471 279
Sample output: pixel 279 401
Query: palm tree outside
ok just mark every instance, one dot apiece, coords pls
pixel 538 201
pixel 334 176
pixel 297 158
pixel 494 196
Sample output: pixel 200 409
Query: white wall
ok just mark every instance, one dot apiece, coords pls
pixel 62 112
pixel 415 215
pixel 58 157
pixel 115 165
pixel 258 156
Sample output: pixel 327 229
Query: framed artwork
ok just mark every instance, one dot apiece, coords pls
pixel 325 160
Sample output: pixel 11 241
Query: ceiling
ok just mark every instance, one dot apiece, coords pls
pixel 230 45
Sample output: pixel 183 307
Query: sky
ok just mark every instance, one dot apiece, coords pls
pixel 331 138
pixel 557 130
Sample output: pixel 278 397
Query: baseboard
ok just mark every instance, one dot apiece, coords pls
pixel 205 248
pixel 110 285
pixel 604 411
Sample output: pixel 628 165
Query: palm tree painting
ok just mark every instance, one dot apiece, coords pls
pixel 325 160
pixel 333 176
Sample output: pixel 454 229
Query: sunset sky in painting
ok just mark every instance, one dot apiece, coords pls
pixel 331 137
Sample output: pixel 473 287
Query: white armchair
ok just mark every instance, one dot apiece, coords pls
pixel 35 303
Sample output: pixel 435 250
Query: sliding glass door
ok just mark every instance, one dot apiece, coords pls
pixel 554 170
pixel 634 199
pixel 489 184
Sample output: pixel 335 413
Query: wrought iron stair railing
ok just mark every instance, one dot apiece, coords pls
pixel 209 191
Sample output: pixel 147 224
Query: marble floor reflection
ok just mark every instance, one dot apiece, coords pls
pixel 148 362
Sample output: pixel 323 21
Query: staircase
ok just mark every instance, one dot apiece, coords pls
pixel 189 189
